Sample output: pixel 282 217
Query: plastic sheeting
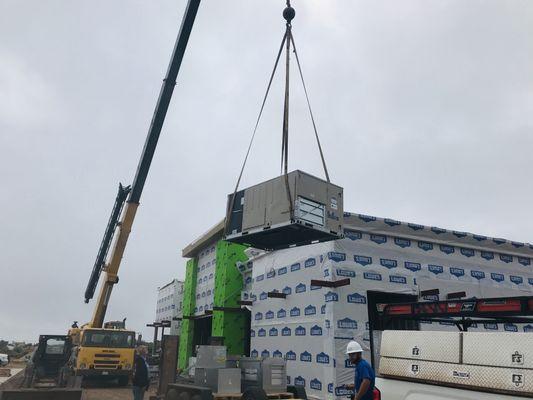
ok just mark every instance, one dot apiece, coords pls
pixel 311 326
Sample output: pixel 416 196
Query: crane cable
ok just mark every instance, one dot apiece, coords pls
pixel 288 39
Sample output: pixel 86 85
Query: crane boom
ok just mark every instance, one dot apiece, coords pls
pixel 132 203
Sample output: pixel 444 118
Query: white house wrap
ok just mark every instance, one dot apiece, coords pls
pixel 312 325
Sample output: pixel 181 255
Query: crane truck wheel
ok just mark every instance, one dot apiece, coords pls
pixel 254 393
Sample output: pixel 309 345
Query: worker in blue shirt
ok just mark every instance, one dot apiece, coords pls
pixel 365 377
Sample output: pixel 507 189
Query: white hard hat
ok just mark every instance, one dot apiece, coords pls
pixel 353 347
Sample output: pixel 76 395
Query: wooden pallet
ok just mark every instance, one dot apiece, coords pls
pixel 233 396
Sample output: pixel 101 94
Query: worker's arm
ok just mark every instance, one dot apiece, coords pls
pixel 363 389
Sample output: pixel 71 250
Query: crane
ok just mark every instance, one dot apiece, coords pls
pixel 107 348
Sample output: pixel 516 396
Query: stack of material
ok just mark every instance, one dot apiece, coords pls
pixel 501 362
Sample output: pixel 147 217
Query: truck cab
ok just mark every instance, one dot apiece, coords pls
pixel 106 353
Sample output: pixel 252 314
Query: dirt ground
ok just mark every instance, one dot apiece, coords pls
pixel 112 393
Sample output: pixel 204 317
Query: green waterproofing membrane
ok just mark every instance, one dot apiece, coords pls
pixel 187 325
pixel 229 324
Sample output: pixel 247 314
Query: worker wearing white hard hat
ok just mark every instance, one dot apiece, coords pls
pixel 364 374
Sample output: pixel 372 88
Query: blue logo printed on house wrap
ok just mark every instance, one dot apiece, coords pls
pixel 435 269
pixel 347 323
pixel 322 358
pixel 269 314
pixel 398 279
pixel 271 274
pixel 528 328
pixel 336 256
pixel 253 297
pixel 530 281
pixel 295 267
pixel 265 353
pixel 480 238
pixel 437 230
pixel 506 258
pixel 286 331
pixel 315 384
pixel 315 330
pixel 499 241
pixel 366 218
pixel 391 222
pixel 447 249
pixel 352 235
pixel 490 326
pixel 326 273
pixel 295 312
pixel 342 391
pixel 458 272
pixel 281 313
pixel 299 381
pixel 277 353
pixel 487 255
pixel 388 263
pixel 263 296
pixel 412 266
pixel 258 316
pixel 403 243
pixel 252 333
pixel 467 252
pixel 287 290
pixel 345 272
pixel 497 277
pixel 300 288
pixel 330 387
pixel 518 280
pixel 363 260
pixel 459 234
pixel 273 332
pixel 310 310
pixel 426 246
pixel 290 355
pixel 299 331
pixel 348 364
pixel 254 353
pixel 356 298
pixel 477 274
pixel 524 261
pixel 323 308
pixel 331 296
pixel 510 328
pixel 373 276
pixel 248 280
pixel 415 227
pixel 282 271
pixel 306 356
pixel 379 239
pixel 310 262
pixel 261 332
pixel 260 278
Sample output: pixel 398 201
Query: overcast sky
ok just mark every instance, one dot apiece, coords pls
pixel 425 110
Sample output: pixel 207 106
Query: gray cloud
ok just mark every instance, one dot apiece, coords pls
pixel 424 109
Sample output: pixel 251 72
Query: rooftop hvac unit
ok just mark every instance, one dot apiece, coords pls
pixel 287 211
